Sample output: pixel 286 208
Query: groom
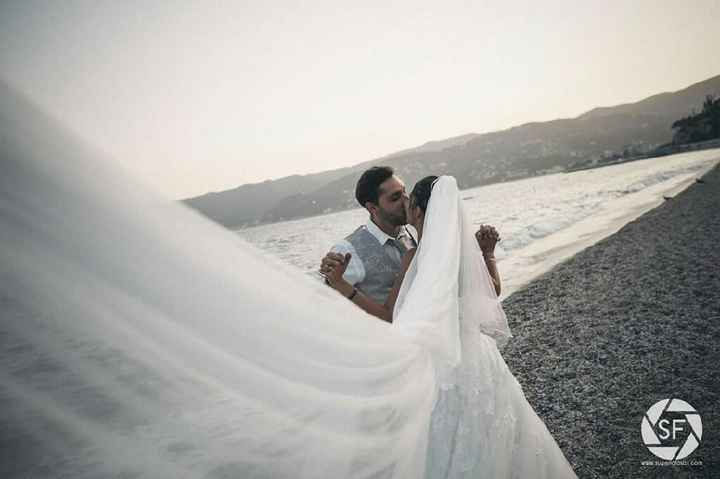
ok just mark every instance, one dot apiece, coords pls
pixel 376 248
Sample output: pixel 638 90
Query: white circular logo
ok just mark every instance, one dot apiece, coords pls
pixel 671 429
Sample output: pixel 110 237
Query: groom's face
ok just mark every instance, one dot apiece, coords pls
pixel 391 201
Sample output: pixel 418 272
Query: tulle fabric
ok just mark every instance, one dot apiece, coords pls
pixel 139 339
pixel 427 307
pixel 482 425
pixel 447 292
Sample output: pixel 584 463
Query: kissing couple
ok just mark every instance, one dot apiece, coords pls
pixel 418 264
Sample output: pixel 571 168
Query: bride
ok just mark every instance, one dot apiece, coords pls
pixel 443 297
pixel 140 339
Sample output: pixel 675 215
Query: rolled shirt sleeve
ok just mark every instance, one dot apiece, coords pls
pixel 355 272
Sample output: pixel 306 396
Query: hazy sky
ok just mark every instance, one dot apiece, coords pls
pixel 204 96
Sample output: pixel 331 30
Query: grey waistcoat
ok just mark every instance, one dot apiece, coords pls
pixel 380 268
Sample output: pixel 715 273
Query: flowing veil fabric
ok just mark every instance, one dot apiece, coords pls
pixel 482 425
pixel 139 339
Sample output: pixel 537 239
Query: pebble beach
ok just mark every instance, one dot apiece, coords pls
pixel 627 322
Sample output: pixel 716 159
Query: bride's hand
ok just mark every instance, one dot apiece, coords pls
pixel 487 237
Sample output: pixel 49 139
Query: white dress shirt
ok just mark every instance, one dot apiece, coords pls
pixel 355 271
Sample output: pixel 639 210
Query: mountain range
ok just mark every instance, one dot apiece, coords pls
pixel 600 136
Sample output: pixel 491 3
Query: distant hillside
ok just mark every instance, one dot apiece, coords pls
pixel 247 204
pixel 702 126
pixel 598 136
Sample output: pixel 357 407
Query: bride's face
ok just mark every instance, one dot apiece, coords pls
pixel 415 215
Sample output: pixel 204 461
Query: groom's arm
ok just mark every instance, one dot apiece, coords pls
pixel 364 302
pixel 335 270
pixel 382 311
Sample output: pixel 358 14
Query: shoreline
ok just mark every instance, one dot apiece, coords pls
pixel 545 253
pixel 665 150
pixel 622 324
pixel 630 320
pixel 238 228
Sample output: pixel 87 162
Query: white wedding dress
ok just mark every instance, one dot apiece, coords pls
pixel 482 425
pixel 139 339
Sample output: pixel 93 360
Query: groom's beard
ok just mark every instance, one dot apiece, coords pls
pixel 394 218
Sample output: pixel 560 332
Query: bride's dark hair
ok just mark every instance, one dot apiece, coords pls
pixel 420 194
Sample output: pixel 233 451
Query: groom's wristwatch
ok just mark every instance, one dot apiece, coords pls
pixel 352 295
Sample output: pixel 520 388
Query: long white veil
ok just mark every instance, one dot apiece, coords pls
pixel 447 280
pixel 448 304
pixel 139 339
pixel 482 425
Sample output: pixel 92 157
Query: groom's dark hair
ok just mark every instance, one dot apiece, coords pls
pixel 368 185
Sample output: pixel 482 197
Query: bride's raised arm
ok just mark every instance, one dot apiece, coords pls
pixel 487 237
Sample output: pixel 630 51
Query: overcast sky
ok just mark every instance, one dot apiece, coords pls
pixel 205 96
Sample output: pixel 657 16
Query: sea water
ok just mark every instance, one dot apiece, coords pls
pixel 542 220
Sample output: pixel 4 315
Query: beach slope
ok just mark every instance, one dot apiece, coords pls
pixel 621 325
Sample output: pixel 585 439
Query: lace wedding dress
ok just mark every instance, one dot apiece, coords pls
pixel 482 425
pixel 139 339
